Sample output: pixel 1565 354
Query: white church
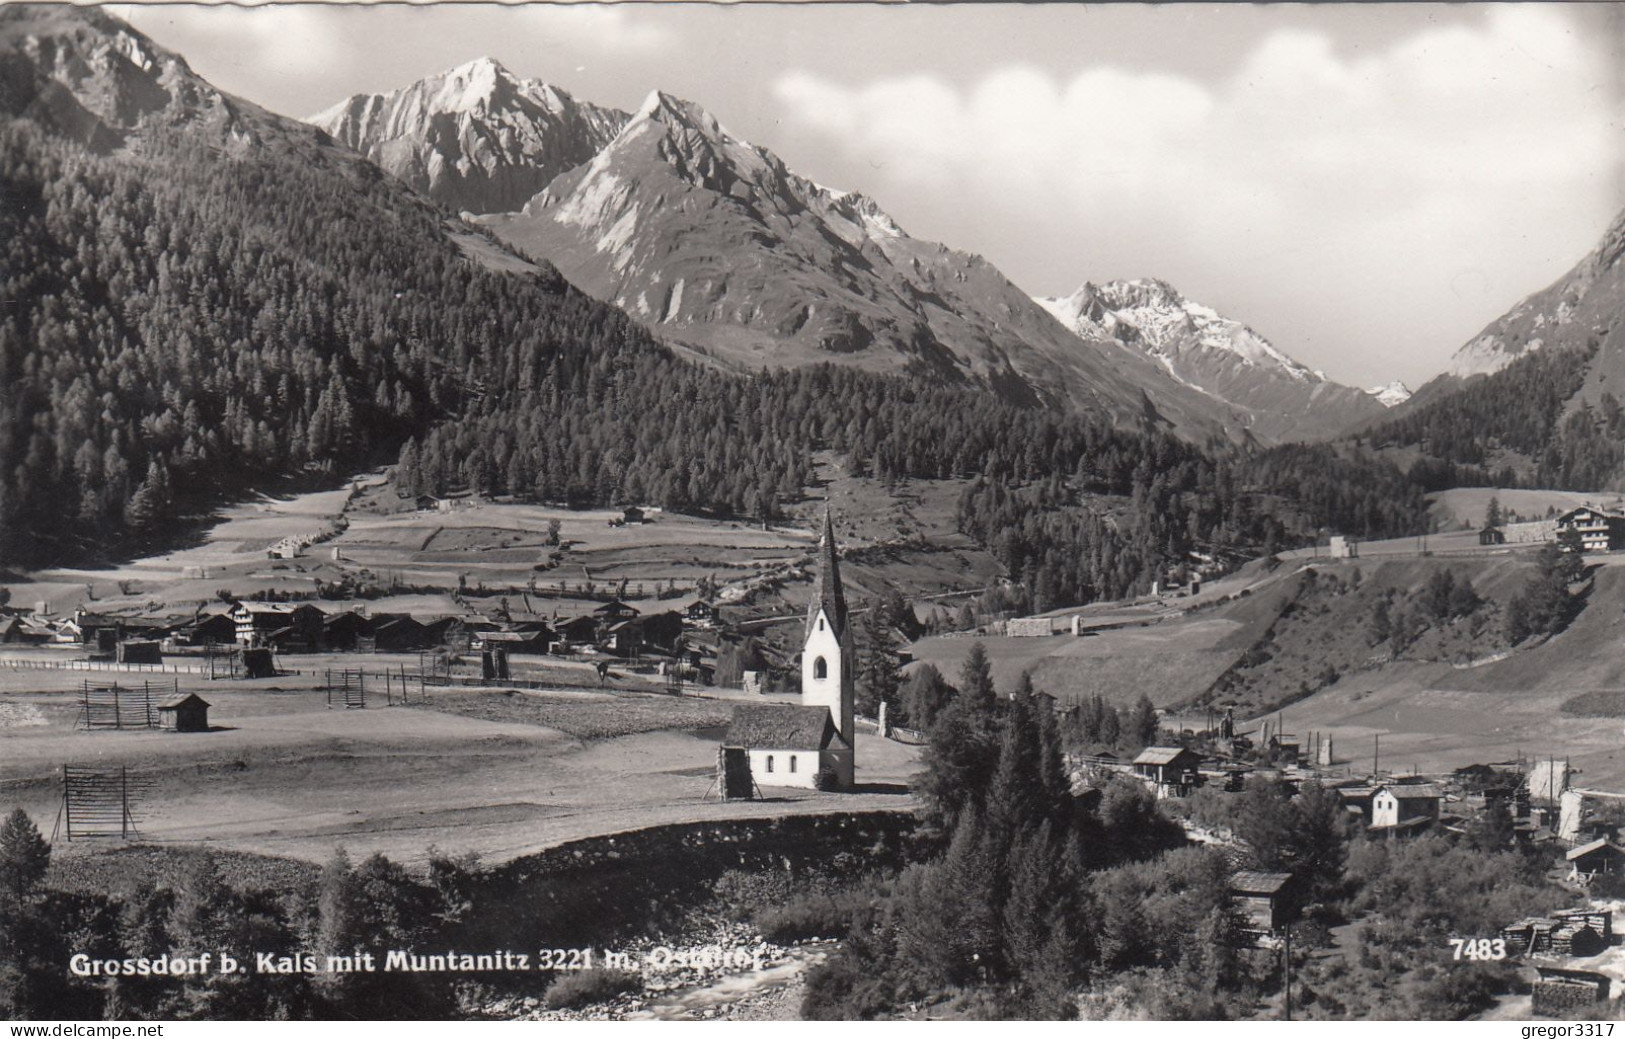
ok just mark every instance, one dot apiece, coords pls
pixel 790 746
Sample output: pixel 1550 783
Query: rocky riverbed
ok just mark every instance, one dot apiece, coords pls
pixel 731 973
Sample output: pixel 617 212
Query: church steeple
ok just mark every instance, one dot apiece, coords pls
pixel 828 659
pixel 829 598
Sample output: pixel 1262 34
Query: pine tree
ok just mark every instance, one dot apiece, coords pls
pixel 24 856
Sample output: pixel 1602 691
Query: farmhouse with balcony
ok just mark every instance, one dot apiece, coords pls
pixel 1600 530
pixel 288 625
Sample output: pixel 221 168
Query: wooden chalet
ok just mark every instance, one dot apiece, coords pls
pixel 616 611
pixel 578 631
pixel 1492 536
pixel 1600 530
pixel 214 629
pixel 624 638
pixel 281 623
pixel 701 612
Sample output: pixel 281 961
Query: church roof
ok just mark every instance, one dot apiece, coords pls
pixel 829 597
pixel 771 727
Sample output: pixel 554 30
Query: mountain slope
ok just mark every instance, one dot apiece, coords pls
pixel 197 310
pixel 715 245
pixel 1536 395
pixel 1279 398
pixel 1583 306
pixel 477 138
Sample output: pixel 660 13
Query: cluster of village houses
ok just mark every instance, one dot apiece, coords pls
pixel 1545 810
pixel 614 628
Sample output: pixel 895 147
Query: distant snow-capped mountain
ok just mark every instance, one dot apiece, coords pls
pixel 477 138
pixel 1391 395
pixel 1281 398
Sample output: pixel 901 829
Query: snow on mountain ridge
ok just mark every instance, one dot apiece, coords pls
pixel 1164 323
pixel 1391 395
pixel 1215 355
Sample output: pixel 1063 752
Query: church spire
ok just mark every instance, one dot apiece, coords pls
pixel 829 597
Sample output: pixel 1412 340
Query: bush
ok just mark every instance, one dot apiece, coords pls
pixel 826 779
pixel 583 988
pixel 814 915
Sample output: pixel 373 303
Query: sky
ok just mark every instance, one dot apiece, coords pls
pixel 1366 185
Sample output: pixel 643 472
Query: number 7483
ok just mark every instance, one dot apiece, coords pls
pixel 1479 948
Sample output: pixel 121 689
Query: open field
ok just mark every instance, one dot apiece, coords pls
pixel 490 771
pixel 1466 506
pixel 1163 662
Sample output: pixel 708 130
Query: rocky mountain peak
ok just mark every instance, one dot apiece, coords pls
pixel 476 137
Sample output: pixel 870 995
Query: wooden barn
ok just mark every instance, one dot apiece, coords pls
pixel 18 631
pixel 1173 770
pixel 398 633
pixel 345 631
pixel 186 713
pixel 215 629
pixel 1261 898
pixel 1601 856
pixel 134 651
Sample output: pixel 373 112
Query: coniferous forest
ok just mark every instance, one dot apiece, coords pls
pixel 190 322
pixel 1521 410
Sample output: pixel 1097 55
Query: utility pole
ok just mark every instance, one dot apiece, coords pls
pixel 1286 971
pixel 1376 755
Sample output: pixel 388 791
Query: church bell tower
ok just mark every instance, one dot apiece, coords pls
pixel 828 661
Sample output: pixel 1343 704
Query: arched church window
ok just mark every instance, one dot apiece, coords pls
pixel 770 762
pixel 792 763
pixel 820 668
pixel 820 623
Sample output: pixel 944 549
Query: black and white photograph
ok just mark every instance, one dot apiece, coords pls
pixel 794 512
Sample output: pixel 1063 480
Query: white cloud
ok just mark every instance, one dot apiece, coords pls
pixel 1391 168
pixel 600 26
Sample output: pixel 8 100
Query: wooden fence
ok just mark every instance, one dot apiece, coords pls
pixel 25 664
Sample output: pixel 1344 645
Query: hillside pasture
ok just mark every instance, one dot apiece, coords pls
pixel 1164 661
pixel 1548 698
pixel 1465 507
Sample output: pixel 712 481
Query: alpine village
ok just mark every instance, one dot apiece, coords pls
pixel 476 554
